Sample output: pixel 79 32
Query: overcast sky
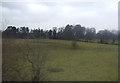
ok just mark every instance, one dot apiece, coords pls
pixel 100 14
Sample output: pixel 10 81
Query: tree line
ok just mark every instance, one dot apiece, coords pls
pixel 69 32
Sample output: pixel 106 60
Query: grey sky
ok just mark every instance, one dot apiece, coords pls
pixel 100 14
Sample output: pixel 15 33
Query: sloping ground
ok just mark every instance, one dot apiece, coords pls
pixel 88 62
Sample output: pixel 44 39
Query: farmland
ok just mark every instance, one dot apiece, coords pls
pixel 88 62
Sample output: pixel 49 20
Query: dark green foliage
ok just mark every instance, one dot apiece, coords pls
pixel 106 35
pixel 79 31
pixel 90 34
pixel 70 32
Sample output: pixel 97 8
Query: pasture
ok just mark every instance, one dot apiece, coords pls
pixel 88 62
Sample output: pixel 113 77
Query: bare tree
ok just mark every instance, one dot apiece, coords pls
pixel 28 64
pixel 37 57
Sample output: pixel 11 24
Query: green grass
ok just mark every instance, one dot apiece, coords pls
pixel 89 62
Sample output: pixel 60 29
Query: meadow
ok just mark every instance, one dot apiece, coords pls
pixel 88 62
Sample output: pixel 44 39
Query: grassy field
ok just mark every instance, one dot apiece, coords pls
pixel 88 62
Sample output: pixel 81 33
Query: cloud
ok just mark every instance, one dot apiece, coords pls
pixel 100 14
